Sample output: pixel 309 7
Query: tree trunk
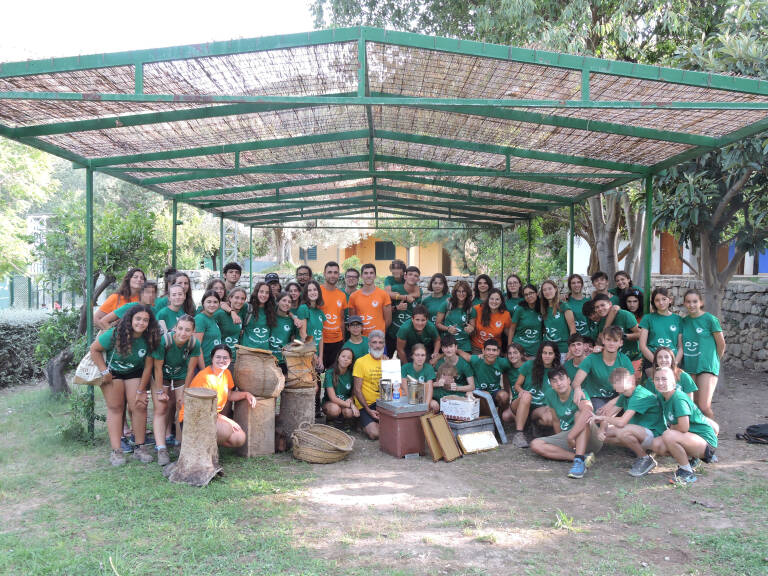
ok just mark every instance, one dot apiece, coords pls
pixel 280 241
pixel 108 280
pixel 707 260
pixel 635 220
pixel 605 227
pixel 55 369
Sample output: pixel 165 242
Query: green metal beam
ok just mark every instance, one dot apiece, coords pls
pixel 489 189
pixel 419 209
pixel 486 104
pixel 648 243
pixel 281 197
pixel 126 120
pixel 298 167
pixel 404 39
pixel 88 304
pixel 284 205
pixel 512 151
pixel 470 199
pixel 393 201
pixel 571 235
pixel 300 216
pixel 175 220
pixel 578 124
pixel 267 186
pixel 226 148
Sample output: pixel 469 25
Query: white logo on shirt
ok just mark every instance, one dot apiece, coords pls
pixel 375 303
pixel 142 353
pixel 498 323
pixel 673 328
pixel 338 303
pixel 699 330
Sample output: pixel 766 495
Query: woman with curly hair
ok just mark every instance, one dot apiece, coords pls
pixel 483 287
pixel 126 367
pixel 455 318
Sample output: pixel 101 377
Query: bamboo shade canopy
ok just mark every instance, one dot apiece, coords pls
pixel 362 122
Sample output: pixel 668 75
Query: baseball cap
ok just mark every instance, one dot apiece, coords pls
pixel 271 277
pixel 353 319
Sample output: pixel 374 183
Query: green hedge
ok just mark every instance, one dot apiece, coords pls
pixel 19 330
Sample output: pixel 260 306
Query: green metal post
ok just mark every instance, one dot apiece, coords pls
pixel 11 292
pixel 528 259
pixel 250 259
pixel 571 234
pixel 502 257
pixel 648 242
pixel 221 242
pixel 29 292
pixel 173 232
pixel 88 303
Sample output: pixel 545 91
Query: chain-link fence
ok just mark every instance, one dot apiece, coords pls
pixel 25 292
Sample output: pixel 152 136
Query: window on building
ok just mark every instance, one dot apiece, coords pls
pixel 385 251
pixel 308 253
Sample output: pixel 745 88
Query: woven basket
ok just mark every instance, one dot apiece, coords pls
pixel 320 444
pixel 256 371
pixel 299 362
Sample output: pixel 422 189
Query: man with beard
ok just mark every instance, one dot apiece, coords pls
pixel 366 375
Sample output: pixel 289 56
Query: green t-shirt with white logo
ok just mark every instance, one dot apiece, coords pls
pixel 211 334
pixel 463 371
pixel 662 330
pixel 487 376
pixel 536 389
pixel 230 332
pixel 170 317
pixel 597 382
pixel 647 410
pixel 527 329
pixel 556 327
pixel 120 312
pixel 281 335
pixel 512 303
pixel 256 332
pixel 626 321
pixel 580 321
pixel 699 348
pixel 176 357
pixel 680 405
pixel 426 373
pixel 459 318
pixel 400 317
pixel 434 305
pixel 359 350
pixel 343 386
pixel 315 319
pixel 428 336
pixel 123 363
pixel 564 410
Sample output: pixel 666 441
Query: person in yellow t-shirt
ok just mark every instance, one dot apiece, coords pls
pixel 366 375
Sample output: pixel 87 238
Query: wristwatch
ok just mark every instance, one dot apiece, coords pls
pixel 105 372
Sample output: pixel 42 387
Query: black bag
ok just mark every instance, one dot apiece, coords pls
pixel 755 434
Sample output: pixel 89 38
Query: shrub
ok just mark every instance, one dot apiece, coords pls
pixel 56 333
pixel 80 414
pixel 18 341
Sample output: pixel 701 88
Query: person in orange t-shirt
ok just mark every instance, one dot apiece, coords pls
pixel 334 304
pixel 372 303
pixel 217 377
pixel 129 291
pixel 492 320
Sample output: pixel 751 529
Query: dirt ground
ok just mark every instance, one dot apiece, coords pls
pixel 509 511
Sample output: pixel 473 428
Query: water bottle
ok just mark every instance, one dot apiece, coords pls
pixel 396 391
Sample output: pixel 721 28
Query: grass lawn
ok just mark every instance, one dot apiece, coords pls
pixel 66 511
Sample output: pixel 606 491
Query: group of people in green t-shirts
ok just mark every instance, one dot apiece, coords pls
pixel 594 369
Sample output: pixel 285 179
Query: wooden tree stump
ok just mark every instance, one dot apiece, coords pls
pixel 259 426
pixel 198 461
pixel 297 405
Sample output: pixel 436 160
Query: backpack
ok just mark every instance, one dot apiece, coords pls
pixel 755 434
pixel 168 342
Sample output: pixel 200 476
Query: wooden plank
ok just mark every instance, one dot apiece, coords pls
pixel 429 435
pixel 445 437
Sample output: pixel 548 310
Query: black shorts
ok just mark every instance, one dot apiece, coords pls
pixel 366 418
pixel 133 374
pixel 709 453
pixel 330 352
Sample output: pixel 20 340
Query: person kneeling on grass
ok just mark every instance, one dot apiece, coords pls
pixel 338 389
pixel 217 377
pixel 576 436
pixel 689 437
pixel 641 425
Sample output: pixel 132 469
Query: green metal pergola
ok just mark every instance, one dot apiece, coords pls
pixel 366 123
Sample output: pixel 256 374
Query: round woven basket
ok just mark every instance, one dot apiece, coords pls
pixel 320 444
